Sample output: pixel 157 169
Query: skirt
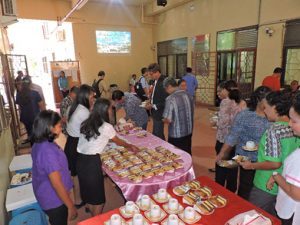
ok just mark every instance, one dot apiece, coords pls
pixel 91 180
pixel 72 154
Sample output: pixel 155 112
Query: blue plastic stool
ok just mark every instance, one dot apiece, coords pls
pixel 32 207
pixel 32 217
pixel 26 170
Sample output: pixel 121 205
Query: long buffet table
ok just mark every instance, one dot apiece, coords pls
pixel 132 191
pixel 235 205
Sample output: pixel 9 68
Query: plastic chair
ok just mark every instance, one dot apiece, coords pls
pixel 31 207
pixel 32 217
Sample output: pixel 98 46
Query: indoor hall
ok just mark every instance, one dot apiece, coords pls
pixel 219 40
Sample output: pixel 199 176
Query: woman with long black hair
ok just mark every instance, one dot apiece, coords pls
pixel 96 131
pixel 51 179
pixel 79 111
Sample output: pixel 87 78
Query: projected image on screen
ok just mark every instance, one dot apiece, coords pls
pixel 113 41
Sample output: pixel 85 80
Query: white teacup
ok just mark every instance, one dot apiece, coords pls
pixel 137 219
pixel 115 219
pixel 155 211
pixel 173 219
pixel 145 201
pixel 129 207
pixel 173 204
pixel 162 193
pixel 189 213
pixel 250 144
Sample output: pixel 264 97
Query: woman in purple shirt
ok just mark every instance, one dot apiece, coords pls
pixel 51 179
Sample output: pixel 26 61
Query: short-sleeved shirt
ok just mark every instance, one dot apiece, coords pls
pixel 80 114
pixel 47 157
pixel 179 109
pixel 228 110
pixel 247 126
pixel 191 83
pixel 133 110
pixel 272 82
pixel 29 110
pixel 144 82
pixel 97 144
pixel 285 205
pixel 277 143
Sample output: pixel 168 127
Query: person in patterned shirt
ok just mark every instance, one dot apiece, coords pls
pixel 131 105
pixel 65 105
pixel 179 115
pixel 277 143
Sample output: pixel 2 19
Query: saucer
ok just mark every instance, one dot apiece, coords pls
pixel 123 222
pixel 165 222
pixel 161 200
pixel 138 202
pixel 205 208
pixel 166 208
pixel 157 219
pixel 129 222
pixel 195 220
pixel 180 190
pixel 128 215
pixel 250 149
pixel 218 201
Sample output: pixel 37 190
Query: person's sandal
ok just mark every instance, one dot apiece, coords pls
pixel 78 206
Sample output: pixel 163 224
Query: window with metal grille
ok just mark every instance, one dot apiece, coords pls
pixel 8 8
pixel 237 39
pixel 292 34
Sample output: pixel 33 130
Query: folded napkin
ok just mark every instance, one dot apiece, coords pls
pixel 251 217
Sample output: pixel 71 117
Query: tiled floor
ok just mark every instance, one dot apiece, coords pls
pixel 202 150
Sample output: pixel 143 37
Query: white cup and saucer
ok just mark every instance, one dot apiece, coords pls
pixel 161 196
pixel 250 146
pixel 137 219
pixel 115 219
pixel 129 209
pixel 173 207
pixel 189 215
pixel 144 202
pixel 155 214
pixel 172 220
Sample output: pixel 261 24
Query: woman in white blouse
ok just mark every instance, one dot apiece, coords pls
pixel 95 134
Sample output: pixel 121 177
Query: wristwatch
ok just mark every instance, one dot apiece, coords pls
pixel 275 173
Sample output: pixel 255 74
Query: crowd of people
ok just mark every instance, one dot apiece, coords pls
pixel 269 178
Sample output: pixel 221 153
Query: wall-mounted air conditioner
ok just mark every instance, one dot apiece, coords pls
pixel 8 12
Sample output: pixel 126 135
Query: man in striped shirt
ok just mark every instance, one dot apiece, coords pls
pixel 178 114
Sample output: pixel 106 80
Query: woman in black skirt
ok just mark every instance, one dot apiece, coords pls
pixel 79 111
pixel 95 134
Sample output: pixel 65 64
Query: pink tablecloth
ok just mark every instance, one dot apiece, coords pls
pixel 133 191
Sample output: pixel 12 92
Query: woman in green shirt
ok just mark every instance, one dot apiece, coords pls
pixel 275 145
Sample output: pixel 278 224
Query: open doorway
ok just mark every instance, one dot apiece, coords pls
pixel 41 42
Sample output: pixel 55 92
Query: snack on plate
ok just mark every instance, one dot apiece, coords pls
pixel 117 168
pixel 135 178
pixel 240 158
pixel 168 168
pixel 181 190
pixel 190 198
pixel 135 170
pixel 227 163
pixel 177 165
pixel 205 208
pixel 218 201
pixel 145 167
pixel 123 173
pixel 147 174
pixel 158 171
pixel 203 192
pixel 141 135
pixel 154 163
pixel 194 184
pixel 21 178
pixel 127 164
pixel 174 157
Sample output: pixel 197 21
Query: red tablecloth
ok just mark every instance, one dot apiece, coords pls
pixel 235 205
